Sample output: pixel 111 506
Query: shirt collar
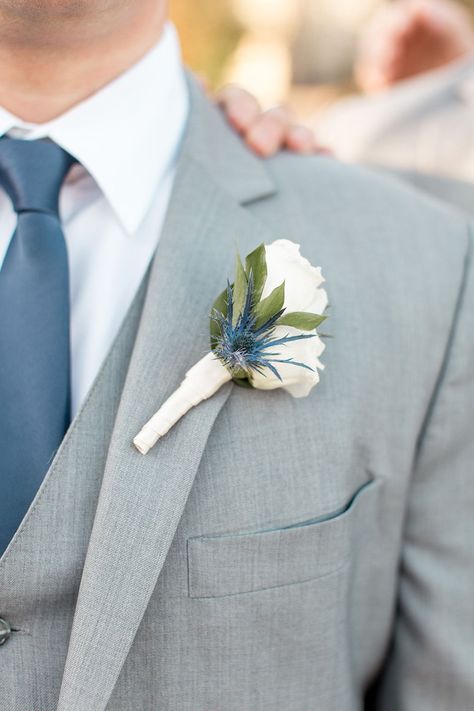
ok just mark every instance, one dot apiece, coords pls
pixel 127 135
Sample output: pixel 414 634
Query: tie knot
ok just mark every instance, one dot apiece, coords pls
pixel 32 172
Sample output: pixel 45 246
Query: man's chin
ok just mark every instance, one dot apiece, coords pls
pixel 42 9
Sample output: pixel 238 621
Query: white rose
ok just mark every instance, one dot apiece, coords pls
pixel 302 293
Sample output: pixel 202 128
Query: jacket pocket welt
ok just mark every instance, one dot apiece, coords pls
pixel 230 564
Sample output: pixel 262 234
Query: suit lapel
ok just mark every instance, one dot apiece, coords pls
pixel 142 498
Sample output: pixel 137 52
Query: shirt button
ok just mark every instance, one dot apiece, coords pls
pixel 5 631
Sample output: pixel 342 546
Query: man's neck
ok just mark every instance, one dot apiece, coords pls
pixel 45 74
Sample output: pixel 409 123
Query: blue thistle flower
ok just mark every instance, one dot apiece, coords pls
pixel 241 341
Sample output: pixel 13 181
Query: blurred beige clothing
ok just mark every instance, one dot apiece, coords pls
pixel 422 126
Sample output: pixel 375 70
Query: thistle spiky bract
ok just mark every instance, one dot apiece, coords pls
pixel 243 324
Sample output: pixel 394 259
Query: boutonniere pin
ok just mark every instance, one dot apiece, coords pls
pixel 263 335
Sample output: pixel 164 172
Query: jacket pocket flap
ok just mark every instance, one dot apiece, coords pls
pixel 246 562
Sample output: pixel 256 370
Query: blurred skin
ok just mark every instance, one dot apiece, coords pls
pixel 265 132
pixel 55 53
pixel 410 37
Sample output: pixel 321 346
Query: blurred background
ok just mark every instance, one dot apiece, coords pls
pixel 295 51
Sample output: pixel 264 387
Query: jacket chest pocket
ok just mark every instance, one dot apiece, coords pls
pixel 230 564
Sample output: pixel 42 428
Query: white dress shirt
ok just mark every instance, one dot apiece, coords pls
pixel 126 138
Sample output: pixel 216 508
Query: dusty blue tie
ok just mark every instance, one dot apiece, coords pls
pixel 34 326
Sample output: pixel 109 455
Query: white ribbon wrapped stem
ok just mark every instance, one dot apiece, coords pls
pixel 201 382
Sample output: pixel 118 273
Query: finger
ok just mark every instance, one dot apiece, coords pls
pixel 267 135
pixel 301 139
pixel 241 108
pixel 440 18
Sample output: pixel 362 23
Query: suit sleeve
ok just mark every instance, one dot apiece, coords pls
pixel 430 666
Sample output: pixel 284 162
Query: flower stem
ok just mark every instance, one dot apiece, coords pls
pixel 201 382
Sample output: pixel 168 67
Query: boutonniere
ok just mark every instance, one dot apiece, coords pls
pixel 263 335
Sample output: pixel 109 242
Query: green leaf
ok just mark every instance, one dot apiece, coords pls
pixel 220 304
pixel 256 263
pixel 304 320
pixel 239 291
pixel 269 306
pixel 239 374
pixel 243 383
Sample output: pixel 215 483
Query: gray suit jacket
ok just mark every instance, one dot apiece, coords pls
pixel 422 130
pixel 269 553
pixel 423 125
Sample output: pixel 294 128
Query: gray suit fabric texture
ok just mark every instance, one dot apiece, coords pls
pixel 458 194
pixel 269 553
